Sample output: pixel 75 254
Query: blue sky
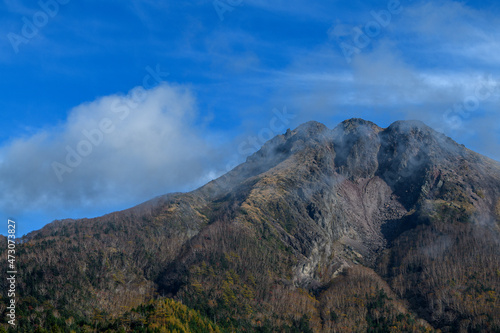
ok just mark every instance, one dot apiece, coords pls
pixel 106 104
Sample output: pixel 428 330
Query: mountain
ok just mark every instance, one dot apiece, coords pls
pixel 356 228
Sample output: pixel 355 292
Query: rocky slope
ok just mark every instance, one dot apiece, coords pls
pixel 357 228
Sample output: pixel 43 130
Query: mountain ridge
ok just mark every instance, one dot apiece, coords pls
pixel 348 124
pixel 313 210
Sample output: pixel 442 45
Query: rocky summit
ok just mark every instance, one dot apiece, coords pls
pixel 352 229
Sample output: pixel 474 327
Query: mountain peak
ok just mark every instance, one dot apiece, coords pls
pixel 311 127
pixel 356 122
pixel 405 126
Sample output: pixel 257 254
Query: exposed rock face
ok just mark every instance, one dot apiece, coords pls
pixel 309 205
pixel 346 192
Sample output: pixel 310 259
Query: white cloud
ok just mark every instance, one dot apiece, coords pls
pixel 135 147
pixel 449 27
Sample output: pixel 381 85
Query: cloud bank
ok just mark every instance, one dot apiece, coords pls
pixel 115 150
